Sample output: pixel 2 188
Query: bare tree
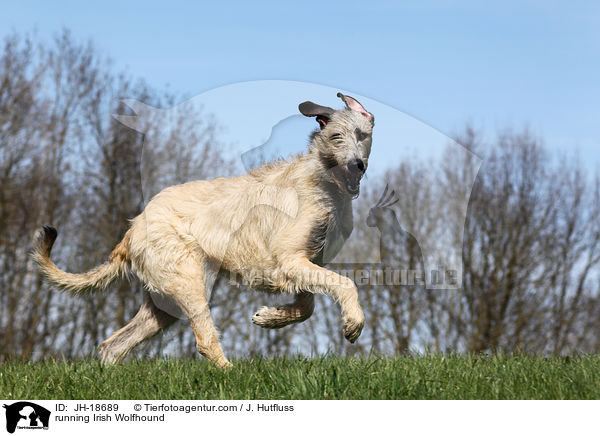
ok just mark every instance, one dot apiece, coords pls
pixel 66 161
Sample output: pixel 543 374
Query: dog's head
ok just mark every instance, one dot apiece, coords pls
pixel 343 142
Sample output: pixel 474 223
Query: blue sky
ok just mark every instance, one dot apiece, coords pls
pixel 509 65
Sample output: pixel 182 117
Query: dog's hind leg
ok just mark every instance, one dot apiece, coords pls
pixel 146 323
pixel 276 317
pixel 186 285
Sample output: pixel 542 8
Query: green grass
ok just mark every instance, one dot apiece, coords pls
pixel 422 377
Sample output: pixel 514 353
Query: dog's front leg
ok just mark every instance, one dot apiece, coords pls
pixel 309 277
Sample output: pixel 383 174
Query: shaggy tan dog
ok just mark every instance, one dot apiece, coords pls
pixel 272 229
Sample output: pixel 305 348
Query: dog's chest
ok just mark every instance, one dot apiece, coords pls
pixel 329 234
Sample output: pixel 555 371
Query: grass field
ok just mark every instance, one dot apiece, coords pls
pixel 423 377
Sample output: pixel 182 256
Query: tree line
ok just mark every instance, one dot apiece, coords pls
pixel 530 241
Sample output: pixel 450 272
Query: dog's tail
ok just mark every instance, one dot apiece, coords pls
pixel 97 278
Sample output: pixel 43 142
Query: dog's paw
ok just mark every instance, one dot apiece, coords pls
pixel 224 364
pixel 353 327
pixel 269 318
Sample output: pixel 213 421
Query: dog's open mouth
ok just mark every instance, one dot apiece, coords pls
pixel 352 185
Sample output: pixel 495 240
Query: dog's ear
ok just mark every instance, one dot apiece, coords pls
pixel 310 109
pixel 353 104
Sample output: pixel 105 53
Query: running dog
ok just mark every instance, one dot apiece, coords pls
pixel 272 228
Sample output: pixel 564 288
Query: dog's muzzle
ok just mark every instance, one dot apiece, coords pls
pixel 355 170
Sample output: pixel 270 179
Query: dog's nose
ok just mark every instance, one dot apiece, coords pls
pixel 356 166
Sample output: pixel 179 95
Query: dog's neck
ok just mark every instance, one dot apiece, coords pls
pixel 327 173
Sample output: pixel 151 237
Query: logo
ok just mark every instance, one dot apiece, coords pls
pixel 26 415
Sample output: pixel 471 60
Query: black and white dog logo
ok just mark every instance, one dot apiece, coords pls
pixel 26 415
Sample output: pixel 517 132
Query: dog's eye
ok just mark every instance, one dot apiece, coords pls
pixel 360 135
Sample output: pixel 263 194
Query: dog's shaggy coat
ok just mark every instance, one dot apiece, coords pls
pixel 272 228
